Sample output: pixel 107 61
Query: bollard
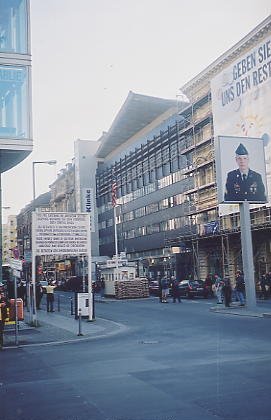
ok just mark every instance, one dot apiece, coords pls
pixel 72 306
pixel 58 303
pixel 79 322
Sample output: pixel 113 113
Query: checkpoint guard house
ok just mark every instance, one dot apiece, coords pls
pixel 15 83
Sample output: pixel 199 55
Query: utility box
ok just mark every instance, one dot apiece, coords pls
pixel 81 302
pixel 20 310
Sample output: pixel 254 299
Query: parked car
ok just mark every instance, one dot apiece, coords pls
pixel 154 287
pixel 192 288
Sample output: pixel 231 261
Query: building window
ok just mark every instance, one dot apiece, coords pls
pixel 13 26
pixel 14 105
pixel 152 208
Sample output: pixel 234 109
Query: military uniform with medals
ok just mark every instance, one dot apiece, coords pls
pixel 244 187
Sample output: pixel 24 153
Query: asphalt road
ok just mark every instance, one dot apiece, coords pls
pixel 175 361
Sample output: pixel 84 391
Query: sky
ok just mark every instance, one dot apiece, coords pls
pixel 88 54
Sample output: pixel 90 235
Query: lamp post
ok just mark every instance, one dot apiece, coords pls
pixel 34 307
pixel 37 162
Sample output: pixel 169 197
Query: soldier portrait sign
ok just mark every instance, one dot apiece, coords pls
pixel 240 170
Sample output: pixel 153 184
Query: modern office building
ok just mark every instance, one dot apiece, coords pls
pixel 15 83
pixel 16 140
pixel 160 153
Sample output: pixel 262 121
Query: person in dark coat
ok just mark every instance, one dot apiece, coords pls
pixel 263 284
pixel 39 293
pixel 175 290
pixel 240 288
pixel 4 304
pixel 244 184
pixel 227 291
pixel 21 292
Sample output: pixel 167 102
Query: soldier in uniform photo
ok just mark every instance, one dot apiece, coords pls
pixel 244 184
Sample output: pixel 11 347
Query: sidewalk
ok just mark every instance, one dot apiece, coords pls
pixel 262 310
pixel 56 328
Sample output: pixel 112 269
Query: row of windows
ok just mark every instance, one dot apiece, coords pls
pixel 150 167
pixel 203 177
pixel 141 192
pixel 165 225
pixel 166 203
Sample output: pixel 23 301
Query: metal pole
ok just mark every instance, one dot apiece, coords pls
pixel 16 311
pixel 90 291
pixel 33 181
pixel 247 255
pixel 71 306
pixel 116 245
pixel 79 322
pixel 34 310
pixel 1 234
pixel 84 274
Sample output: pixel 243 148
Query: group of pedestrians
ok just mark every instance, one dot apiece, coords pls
pixel 224 291
pixel 164 285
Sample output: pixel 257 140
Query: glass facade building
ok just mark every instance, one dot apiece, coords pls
pixel 13 26
pixel 15 83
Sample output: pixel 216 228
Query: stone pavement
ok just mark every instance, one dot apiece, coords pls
pixel 58 328
pixel 62 327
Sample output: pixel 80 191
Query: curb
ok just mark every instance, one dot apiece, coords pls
pixel 119 328
pixel 240 312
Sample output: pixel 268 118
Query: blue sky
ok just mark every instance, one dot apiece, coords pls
pixel 88 54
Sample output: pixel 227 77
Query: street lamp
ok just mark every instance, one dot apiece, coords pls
pixel 34 309
pixel 37 162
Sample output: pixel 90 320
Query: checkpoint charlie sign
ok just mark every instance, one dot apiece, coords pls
pixel 56 233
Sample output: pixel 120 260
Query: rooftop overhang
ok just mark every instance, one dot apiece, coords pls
pixel 136 113
pixel 13 152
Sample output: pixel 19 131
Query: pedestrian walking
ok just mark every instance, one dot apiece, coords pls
pixel 226 288
pixel 240 287
pixel 263 285
pixel 4 304
pixel 50 297
pixel 21 291
pixel 165 289
pixel 218 288
pixel 102 287
pixel 175 290
pixel 208 291
pixel 39 294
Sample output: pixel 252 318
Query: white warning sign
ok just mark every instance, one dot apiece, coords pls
pixel 60 233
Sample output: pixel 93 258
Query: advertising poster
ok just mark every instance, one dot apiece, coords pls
pixel 241 102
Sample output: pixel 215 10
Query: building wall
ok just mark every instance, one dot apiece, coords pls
pixel 9 238
pixel 85 170
pixel 167 189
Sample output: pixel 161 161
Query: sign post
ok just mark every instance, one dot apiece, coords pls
pixel 241 179
pixel 247 256
pixel 56 233
pixel 17 267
